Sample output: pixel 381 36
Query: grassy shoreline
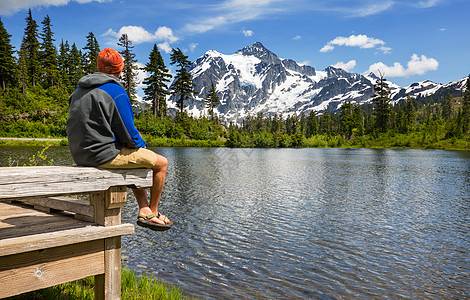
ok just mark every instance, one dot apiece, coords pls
pixel 133 287
pixel 415 141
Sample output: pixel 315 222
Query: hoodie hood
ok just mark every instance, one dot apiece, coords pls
pixel 97 79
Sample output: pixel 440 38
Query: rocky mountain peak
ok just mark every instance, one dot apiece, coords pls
pixel 258 50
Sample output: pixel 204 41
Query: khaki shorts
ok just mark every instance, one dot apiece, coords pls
pixel 132 159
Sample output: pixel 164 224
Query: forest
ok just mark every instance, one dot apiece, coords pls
pixel 37 79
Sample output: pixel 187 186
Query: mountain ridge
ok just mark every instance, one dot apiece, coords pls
pixel 255 80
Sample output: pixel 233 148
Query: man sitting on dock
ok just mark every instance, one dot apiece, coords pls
pixel 101 133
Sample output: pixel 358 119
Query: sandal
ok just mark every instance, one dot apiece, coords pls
pixel 152 225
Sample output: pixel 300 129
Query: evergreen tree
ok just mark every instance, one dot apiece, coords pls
pixel 64 63
pixel 48 55
pixel 312 125
pixel 183 86
pixel 447 108
pixel 157 87
pixel 325 123
pixel 382 108
pixel 410 114
pixel 466 108
pixel 23 78
pixel 7 60
pixel 130 68
pixel 30 48
pixel 276 124
pixel 212 100
pixel 400 121
pixel 348 122
pixel 92 50
pixel 76 71
pixel 359 119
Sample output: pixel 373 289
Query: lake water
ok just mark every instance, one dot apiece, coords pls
pixel 306 223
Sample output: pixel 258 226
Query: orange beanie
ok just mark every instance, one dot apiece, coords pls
pixel 110 61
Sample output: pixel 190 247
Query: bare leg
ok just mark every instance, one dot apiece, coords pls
pixel 159 175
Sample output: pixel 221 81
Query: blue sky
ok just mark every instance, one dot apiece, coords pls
pixel 408 41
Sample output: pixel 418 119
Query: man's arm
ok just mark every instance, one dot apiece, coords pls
pixel 124 107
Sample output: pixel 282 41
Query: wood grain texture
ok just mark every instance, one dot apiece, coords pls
pixel 65 237
pixel 41 249
pixel 108 286
pixel 74 205
pixel 20 273
pixel 44 181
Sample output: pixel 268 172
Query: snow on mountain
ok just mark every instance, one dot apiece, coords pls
pixel 255 80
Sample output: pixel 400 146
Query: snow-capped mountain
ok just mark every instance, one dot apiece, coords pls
pixel 255 80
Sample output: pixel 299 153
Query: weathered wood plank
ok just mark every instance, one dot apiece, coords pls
pixel 45 181
pixel 30 225
pixel 65 237
pixel 103 216
pixel 108 285
pixel 20 273
pixel 74 205
pixel 116 197
pixel 20 219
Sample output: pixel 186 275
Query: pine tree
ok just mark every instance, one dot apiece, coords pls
pixel 447 108
pixel 157 87
pixel 382 108
pixel 130 68
pixel 183 86
pixel 75 71
pixel 325 123
pixel 48 55
pixel 212 100
pixel 312 125
pixel 30 48
pixel 64 63
pixel 348 122
pixel 23 78
pixel 92 49
pixel 7 60
pixel 410 114
pixel 359 119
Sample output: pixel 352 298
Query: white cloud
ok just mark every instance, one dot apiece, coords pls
pixel 235 11
pixel 418 65
pixel 164 33
pixel 10 7
pixel 428 3
pixel 361 41
pixel 354 9
pixel 193 46
pixel 385 50
pixel 165 46
pixel 297 37
pixel 248 33
pixel 373 9
pixel 327 48
pixel 346 66
pixel 138 34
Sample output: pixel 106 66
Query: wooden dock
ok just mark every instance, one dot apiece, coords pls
pixel 48 239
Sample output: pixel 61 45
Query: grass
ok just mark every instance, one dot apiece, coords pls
pixel 33 142
pixel 392 141
pixel 133 287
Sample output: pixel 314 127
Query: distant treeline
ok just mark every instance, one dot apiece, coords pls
pixel 36 80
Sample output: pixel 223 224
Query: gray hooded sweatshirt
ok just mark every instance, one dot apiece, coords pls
pixel 101 120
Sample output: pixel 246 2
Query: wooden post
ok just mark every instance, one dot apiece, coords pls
pixel 107 213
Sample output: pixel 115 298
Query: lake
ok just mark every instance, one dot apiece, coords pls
pixel 305 223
